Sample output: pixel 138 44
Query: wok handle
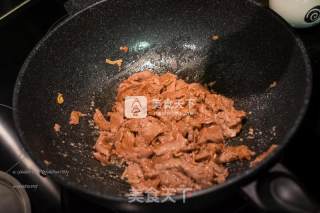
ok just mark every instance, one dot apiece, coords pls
pixel 17 162
pixel 280 191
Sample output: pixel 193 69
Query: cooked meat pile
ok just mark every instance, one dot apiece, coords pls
pixel 180 144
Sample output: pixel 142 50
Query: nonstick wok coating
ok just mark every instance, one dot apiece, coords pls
pixel 254 49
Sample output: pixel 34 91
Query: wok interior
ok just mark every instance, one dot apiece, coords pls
pixel 253 51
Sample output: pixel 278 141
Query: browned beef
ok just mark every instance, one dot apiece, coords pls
pixel 172 148
pixel 263 155
pixel 100 121
pixel 75 117
pixel 232 153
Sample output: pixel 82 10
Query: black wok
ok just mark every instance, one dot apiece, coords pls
pixel 254 49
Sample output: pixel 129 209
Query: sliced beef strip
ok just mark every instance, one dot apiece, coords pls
pixel 100 121
pixel 263 155
pixel 211 134
pixel 175 179
pixel 175 145
pixel 232 153
pixel 133 173
pixel 75 117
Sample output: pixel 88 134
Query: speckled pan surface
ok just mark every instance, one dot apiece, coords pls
pixel 254 49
